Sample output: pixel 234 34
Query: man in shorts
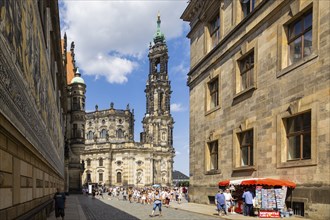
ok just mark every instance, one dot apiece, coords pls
pixel 59 198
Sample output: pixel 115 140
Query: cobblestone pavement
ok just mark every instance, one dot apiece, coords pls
pixel 118 209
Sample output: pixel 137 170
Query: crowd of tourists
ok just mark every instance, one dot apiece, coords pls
pixel 157 196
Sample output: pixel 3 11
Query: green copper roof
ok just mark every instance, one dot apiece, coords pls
pixel 77 78
pixel 159 36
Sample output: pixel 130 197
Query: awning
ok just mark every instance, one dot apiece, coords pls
pixel 258 181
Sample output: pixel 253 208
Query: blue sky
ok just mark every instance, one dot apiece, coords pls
pixel 112 40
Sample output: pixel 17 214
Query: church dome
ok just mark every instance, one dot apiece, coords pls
pixel 77 78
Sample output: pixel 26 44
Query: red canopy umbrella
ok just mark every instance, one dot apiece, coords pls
pixel 224 183
pixel 258 181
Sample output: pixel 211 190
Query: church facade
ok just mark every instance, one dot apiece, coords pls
pixel 104 139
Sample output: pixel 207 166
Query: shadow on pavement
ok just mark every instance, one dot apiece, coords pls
pixel 95 209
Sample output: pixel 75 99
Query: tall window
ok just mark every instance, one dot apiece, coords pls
pixel 100 162
pixel 100 177
pixel 214 93
pixel 119 177
pixel 120 133
pixel 103 133
pixel 215 31
pixel 246 66
pixel 88 162
pixel 213 152
pixel 83 104
pixel 248 6
pixel 74 103
pixel 89 177
pixel 90 135
pixel 82 131
pixel 299 136
pixel 246 147
pixel 300 38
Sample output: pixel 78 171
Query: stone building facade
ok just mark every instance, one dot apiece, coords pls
pixel 111 156
pixel 259 96
pixel 32 108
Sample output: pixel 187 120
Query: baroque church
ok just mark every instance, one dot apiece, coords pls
pixel 101 149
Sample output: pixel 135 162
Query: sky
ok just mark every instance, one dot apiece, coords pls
pixel 112 39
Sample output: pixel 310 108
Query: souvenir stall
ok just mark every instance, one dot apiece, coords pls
pixel 269 195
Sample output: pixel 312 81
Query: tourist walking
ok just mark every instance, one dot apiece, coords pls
pixel 179 197
pixel 130 194
pixel 220 202
pixel 59 198
pixel 157 203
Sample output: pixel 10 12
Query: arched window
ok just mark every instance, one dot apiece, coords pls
pixel 90 135
pixel 100 162
pixel 119 177
pixel 103 133
pixel 120 133
pixel 88 162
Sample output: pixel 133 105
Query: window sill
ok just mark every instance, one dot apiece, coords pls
pixel 212 172
pixel 212 110
pixel 247 93
pixel 245 168
pixel 296 65
pixel 297 163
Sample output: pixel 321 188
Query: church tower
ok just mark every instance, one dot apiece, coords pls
pixel 76 128
pixel 158 122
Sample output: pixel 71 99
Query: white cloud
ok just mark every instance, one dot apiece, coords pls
pixel 114 69
pixel 177 107
pixel 182 69
pixel 111 37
